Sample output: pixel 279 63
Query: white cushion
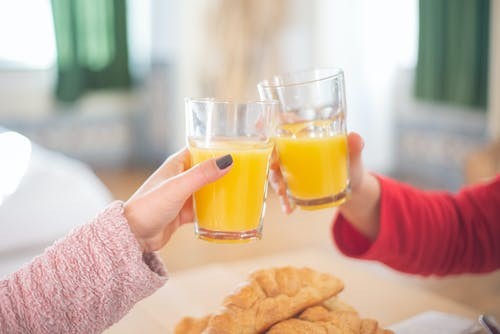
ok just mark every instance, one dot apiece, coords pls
pixel 42 198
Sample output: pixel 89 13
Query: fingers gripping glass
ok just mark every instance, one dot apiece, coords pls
pixel 231 209
pixel 311 138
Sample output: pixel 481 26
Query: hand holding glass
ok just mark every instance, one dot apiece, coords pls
pixel 311 138
pixel 231 209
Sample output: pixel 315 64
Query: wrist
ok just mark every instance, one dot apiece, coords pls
pixel 363 207
pixel 361 186
pixel 129 213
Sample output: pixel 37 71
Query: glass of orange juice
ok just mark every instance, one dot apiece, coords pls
pixel 230 210
pixel 310 136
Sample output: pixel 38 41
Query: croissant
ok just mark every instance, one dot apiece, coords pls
pixel 320 320
pixel 284 301
pixel 189 325
pixel 271 296
pixel 268 297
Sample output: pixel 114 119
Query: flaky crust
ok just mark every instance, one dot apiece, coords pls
pixel 284 301
pixel 335 304
pixel 320 320
pixel 271 296
pixel 297 326
pixel 189 325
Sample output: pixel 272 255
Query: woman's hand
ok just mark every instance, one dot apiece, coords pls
pixel 362 209
pixel 164 201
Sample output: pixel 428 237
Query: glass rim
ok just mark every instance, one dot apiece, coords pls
pixel 229 101
pixel 334 72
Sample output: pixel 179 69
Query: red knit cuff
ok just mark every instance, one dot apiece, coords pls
pixel 348 239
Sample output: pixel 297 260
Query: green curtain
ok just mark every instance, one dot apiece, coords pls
pixel 91 40
pixel 453 51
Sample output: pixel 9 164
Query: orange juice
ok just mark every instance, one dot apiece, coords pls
pixel 235 202
pixel 315 166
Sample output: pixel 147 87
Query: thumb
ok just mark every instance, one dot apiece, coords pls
pixel 185 184
pixel 356 144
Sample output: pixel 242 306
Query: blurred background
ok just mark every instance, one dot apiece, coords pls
pixel 92 95
pixel 104 81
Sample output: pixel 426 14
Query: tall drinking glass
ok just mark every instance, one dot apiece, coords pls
pixel 231 209
pixel 311 138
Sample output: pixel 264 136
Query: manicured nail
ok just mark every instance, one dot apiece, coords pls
pixel 224 162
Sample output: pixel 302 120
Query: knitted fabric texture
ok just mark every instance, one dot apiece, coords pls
pixel 83 283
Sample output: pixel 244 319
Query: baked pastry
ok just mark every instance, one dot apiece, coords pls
pixel 320 320
pixel 335 304
pixel 284 301
pixel 271 296
pixel 370 326
pixel 189 325
pixel 297 326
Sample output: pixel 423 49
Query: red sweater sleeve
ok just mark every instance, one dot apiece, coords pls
pixel 431 232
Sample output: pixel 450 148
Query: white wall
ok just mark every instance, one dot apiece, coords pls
pixel 190 12
pixel 295 48
pixel 371 41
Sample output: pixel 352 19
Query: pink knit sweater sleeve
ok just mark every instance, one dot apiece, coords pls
pixel 83 283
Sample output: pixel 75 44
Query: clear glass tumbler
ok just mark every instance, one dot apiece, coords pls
pixel 231 209
pixel 311 135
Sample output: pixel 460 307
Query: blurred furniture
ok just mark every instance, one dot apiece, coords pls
pixel 106 130
pixel 199 291
pixel 123 183
pixel 483 163
pixel 98 131
pixel 433 140
pixel 43 195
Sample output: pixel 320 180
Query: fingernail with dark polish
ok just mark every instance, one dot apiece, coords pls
pixel 224 162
